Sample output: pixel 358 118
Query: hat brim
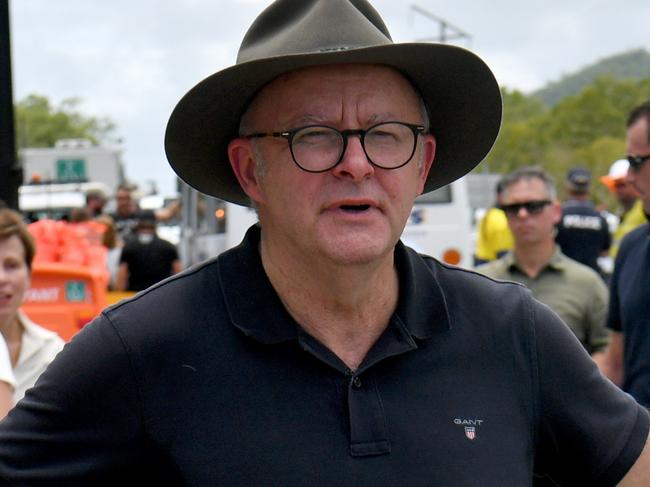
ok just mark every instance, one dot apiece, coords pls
pixel 460 92
pixel 610 182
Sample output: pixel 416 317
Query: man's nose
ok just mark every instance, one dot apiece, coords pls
pixel 522 212
pixel 355 163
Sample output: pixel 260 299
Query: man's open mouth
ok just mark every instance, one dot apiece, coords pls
pixel 355 208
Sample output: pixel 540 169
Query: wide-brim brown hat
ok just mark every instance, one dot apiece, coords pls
pixel 459 90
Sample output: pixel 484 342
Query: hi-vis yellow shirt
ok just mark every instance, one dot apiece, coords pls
pixel 494 236
pixel 629 222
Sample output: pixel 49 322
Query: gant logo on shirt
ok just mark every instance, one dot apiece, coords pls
pixel 470 426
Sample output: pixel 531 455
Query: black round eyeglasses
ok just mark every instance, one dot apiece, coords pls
pixel 319 148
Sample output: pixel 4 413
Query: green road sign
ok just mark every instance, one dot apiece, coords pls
pixel 75 291
pixel 70 170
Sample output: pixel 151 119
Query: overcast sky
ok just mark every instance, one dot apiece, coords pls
pixel 132 60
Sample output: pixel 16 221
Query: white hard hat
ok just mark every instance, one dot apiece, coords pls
pixel 617 171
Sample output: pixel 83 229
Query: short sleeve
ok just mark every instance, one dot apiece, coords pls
pixel 596 317
pixel 125 255
pixel 590 432
pixel 172 252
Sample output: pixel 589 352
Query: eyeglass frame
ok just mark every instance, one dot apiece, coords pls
pixel 417 129
pixel 637 161
pixel 532 207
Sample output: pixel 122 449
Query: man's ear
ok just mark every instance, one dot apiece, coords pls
pixel 242 162
pixel 428 155
pixel 557 212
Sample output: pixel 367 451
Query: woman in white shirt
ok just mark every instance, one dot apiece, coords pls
pixel 30 347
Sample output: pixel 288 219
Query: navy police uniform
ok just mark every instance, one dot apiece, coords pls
pixel 583 233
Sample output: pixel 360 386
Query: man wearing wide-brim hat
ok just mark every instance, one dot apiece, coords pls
pixel 322 351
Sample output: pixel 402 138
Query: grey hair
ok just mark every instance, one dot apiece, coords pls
pixel 529 173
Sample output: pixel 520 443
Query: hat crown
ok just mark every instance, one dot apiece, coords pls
pixel 579 176
pixel 619 169
pixel 289 27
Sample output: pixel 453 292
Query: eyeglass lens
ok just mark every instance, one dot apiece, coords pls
pixel 637 161
pixel 319 148
pixel 531 207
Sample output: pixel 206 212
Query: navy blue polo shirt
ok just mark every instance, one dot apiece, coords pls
pixel 629 310
pixel 205 379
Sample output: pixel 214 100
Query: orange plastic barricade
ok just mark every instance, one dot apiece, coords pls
pixel 65 297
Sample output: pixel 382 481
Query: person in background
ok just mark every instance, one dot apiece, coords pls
pixel 127 212
pixel 113 246
pixel 146 259
pixel 627 360
pixel 322 350
pixel 31 347
pixel 582 232
pixel 574 291
pixel 95 202
pixel 631 215
pixel 494 237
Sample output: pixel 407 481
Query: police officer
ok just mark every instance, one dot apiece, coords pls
pixel 582 233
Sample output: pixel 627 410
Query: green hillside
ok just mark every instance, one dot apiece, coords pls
pixel 632 65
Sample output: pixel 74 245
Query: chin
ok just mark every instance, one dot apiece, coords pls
pixel 357 249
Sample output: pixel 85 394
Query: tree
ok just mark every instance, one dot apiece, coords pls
pixel 587 130
pixel 39 124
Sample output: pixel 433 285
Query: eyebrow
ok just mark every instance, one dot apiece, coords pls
pixel 382 117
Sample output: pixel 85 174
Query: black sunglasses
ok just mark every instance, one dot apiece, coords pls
pixel 637 161
pixel 532 207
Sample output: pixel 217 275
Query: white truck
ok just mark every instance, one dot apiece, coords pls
pixel 56 179
pixel 73 161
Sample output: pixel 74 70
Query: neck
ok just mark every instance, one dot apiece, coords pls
pixel 532 258
pixel 345 307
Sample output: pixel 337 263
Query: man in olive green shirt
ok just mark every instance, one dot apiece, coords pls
pixel 574 291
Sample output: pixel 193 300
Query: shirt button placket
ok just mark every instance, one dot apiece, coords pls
pixel 368 432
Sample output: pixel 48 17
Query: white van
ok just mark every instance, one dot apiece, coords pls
pixel 440 225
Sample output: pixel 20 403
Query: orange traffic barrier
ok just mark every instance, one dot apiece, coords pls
pixel 64 297
pixel 70 243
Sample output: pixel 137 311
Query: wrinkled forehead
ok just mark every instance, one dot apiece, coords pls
pixel 322 87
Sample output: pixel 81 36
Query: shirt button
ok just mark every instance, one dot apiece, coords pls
pixel 356 382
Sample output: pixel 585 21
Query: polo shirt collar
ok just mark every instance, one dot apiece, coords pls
pixel 256 309
pixel 557 262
